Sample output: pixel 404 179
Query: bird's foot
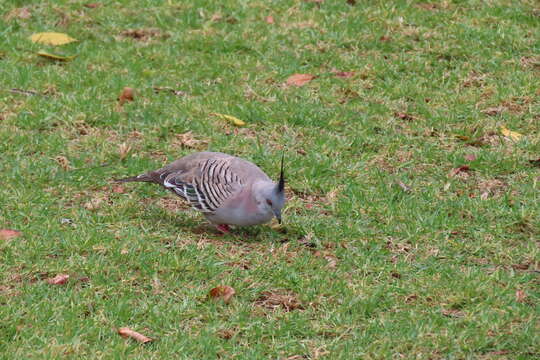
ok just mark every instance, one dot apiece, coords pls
pixel 223 228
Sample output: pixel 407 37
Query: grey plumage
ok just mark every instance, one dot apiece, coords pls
pixel 228 190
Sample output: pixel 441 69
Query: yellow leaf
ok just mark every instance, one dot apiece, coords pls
pixel 236 121
pixel 510 134
pixel 55 57
pixel 52 38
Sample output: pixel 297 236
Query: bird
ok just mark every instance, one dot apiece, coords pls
pixel 226 189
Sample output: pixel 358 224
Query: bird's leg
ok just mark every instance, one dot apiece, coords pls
pixel 224 228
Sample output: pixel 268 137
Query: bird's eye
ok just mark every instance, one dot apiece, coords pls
pixel 269 202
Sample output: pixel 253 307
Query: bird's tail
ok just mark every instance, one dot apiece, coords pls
pixel 141 178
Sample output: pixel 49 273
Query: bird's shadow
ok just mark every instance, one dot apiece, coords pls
pixel 179 221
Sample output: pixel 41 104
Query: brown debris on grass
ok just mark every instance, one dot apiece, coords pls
pixel 128 333
pixel 144 34
pixel 273 300
pixel 299 79
pixel 188 140
pixel 63 162
pixel 8 234
pixel 491 188
pixel 452 313
pixel 461 172
pixel 222 292
pixel 59 279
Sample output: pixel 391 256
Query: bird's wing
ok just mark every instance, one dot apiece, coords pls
pixel 206 182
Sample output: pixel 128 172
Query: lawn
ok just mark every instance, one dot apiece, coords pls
pixel 412 156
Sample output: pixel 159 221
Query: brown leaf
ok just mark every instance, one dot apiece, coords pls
pixel 143 34
pixel 463 170
pixel 188 140
pixel 92 5
pixel 301 152
pixel 222 292
pixel 470 157
pixel 520 266
pixel 411 298
pixel 126 95
pixel 427 6
pixel 226 333
pixel 128 333
pixel 273 300
pixel 403 116
pixel 63 162
pixel 521 296
pixel 269 19
pixel 7 234
pixel 344 74
pixel 385 38
pixel 59 279
pixel 492 111
pixel 351 2
pixel 299 79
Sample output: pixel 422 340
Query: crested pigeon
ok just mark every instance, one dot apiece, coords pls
pixel 228 190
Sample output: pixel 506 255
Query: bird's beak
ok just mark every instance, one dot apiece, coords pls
pixel 277 213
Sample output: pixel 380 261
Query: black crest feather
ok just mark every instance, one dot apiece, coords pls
pixel 281 184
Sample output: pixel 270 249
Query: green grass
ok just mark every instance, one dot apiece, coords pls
pixel 429 273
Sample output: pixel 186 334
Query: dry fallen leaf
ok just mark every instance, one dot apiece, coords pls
pixel 269 19
pixel 92 5
pixel 521 296
pixel 463 170
pixel 52 38
pixel 59 279
pixel 222 292
pixel 510 134
pixel 492 111
pixel 273 300
pixel 128 333
pixel 234 120
pixel 427 6
pixel 351 2
pixel 7 234
pixel 143 34
pixel 300 79
pixel 48 55
pixel 403 116
pixel 188 140
pixel 385 38
pixel 344 74
pixel 62 161
pixel 127 94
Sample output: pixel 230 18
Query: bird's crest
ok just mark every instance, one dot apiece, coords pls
pixel 281 184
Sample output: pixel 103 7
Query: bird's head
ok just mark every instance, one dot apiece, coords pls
pixel 273 195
